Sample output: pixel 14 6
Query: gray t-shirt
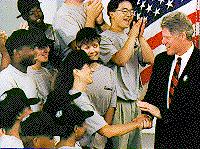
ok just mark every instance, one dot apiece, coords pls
pixel 102 92
pixel 43 79
pixel 68 20
pixel 128 76
pixel 95 122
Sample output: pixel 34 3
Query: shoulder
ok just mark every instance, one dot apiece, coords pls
pixel 163 57
pixel 10 142
pixel 106 68
pixel 6 71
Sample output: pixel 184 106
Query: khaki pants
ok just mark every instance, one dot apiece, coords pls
pixel 125 112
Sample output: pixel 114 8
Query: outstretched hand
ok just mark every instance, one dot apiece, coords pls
pixel 145 106
pixel 3 38
pixel 143 121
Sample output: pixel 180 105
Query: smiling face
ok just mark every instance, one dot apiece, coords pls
pixel 92 50
pixel 35 16
pixel 85 74
pixel 174 43
pixel 123 15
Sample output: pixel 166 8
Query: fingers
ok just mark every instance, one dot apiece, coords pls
pixel 24 26
pixel 93 8
pixel 3 35
pixel 146 123
pixel 136 28
pixel 143 27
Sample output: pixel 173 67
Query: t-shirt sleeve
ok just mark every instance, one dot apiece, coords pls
pixel 4 85
pixel 107 49
pixel 66 27
pixel 95 122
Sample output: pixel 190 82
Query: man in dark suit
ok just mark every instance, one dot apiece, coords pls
pixel 175 101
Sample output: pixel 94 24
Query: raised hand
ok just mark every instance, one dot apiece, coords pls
pixel 93 8
pixel 3 38
pixel 145 106
pixel 136 28
pixel 142 27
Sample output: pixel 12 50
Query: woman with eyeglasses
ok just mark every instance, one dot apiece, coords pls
pixel 123 52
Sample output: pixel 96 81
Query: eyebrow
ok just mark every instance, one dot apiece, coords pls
pixel 127 9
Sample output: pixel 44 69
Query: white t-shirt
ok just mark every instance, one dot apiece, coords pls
pixel 10 142
pixel 13 78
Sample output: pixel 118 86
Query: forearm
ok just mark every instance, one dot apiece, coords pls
pixel 109 115
pixel 90 22
pixel 105 27
pixel 123 55
pixel 117 130
pixel 147 52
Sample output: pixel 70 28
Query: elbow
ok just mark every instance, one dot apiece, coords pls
pixel 120 64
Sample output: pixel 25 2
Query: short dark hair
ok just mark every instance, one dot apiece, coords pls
pixel 24 6
pixel 113 5
pixel 86 36
pixel 12 103
pixel 76 59
pixel 22 37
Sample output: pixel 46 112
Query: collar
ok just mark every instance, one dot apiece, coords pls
pixel 185 57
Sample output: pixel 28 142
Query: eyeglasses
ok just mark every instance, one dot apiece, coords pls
pixel 125 11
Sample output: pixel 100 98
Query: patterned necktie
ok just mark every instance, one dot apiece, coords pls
pixel 174 80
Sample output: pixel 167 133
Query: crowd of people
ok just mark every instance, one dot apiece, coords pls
pixel 75 83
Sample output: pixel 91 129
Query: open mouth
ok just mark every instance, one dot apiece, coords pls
pixel 127 20
pixel 39 20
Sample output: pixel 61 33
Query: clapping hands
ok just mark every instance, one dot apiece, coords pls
pixel 93 9
pixel 137 29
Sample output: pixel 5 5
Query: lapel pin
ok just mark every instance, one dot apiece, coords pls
pixel 185 78
pixel 2 97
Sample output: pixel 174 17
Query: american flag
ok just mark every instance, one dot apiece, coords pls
pixel 154 10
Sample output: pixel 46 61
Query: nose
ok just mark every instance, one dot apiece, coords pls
pixel 163 40
pixel 36 13
pixel 92 69
pixel 128 13
pixel 47 49
pixel 91 49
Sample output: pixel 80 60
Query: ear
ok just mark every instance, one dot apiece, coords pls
pixel 76 72
pixel 75 128
pixel 36 142
pixel 17 53
pixel 183 35
pixel 111 14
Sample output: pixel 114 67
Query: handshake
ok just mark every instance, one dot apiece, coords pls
pixel 143 120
